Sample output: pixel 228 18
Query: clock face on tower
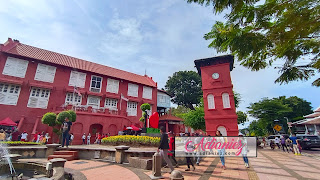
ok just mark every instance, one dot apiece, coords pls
pixel 215 75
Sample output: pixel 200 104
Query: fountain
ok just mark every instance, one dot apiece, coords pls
pixel 22 170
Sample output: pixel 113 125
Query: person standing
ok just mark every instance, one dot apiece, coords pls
pixel 221 151
pixel 295 143
pixel 163 147
pixel 71 138
pixel 15 135
pixel 66 125
pixel 47 137
pixel 2 135
pixel 83 138
pixel 244 151
pixel 24 136
pixel 283 144
pixel 88 139
pixel 190 148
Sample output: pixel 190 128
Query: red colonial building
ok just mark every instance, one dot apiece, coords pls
pixel 34 81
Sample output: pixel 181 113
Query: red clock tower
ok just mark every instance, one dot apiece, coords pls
pixel 219 107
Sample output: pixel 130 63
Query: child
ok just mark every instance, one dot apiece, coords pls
pixel 272 145
pixel 71 138
pixel 88 139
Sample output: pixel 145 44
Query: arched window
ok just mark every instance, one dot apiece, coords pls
pixel 226 100
pixel 210 99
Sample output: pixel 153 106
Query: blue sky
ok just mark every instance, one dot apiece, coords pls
pixel 159 37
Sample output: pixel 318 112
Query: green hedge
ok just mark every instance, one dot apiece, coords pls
pixel 153 130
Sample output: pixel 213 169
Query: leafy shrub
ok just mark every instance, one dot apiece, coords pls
pixel 145 106
pixel 131 140
pixel 49 118
pixel 18 143
pixel 153 130
pixel 62 116
pixel 73 116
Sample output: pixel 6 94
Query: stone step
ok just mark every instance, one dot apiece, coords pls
pixel 73 153
pixel 67 157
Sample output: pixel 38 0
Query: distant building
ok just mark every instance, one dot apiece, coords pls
pixel 163 102
pixel 34 81
pixel 309 125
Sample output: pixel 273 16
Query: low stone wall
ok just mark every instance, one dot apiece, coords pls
pixel 28 152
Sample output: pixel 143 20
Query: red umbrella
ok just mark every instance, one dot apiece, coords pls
pixel 7 122
pixel 135 128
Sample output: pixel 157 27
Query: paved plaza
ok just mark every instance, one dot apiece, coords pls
pixel 269 165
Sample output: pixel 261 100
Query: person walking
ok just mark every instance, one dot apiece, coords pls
pixel 163 148
pixel 172 148
pixel 88 139
pixel 190 148
pixel 283 144
pixel 244 151
pixel 277 141
pixel 66 125
pixel 295 144
pixel 221 151
pixel 84 138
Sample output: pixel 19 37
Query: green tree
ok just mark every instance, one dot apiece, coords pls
pixel 179 111
pixel 62 116
pixel 49 118
pixel 268 110
pixel 242 117
pixel 195 119
pixel 260 32
pixel 144 107
pixel 73 116
pixel 185 86
pixel 256 129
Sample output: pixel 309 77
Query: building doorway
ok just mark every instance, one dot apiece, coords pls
pixel 94 129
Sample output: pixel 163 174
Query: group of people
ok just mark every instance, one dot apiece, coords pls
pixel 14 135
pixel 287 144
pixel 97 140
pixel 167 148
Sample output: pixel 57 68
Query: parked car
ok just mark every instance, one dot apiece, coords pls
pixel 308 141
pixel 272 137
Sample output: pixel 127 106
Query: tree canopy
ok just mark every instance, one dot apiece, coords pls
pixel 242 117
pixel 185 87
pixel 267 110
pixel 195 118
pixel 258 33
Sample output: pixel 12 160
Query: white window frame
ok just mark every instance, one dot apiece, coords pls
pixel 111 104
pixel 46 75
pixel 15 67
pixel 90 88
pixel 211 103
pixel 41 95
pixel 226 100
pixel 78 81
pixel 93 105
pixel 132 108
pixel 133 90
pixel 147 92
pixel 9 93
pixel 112 86
pixel 73 100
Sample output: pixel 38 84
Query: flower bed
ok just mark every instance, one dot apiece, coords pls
pixel 18 143
pixel 131 140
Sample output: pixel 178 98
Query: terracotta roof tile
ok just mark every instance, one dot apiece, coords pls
pixel 72 62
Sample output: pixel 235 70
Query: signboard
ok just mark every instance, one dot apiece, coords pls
pixel 277 127
pixel 207 146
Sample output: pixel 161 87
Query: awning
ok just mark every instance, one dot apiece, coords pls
pixel 7 122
